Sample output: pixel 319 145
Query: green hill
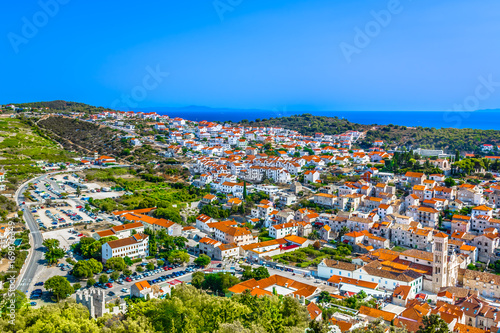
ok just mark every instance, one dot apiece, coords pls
pixel 448 139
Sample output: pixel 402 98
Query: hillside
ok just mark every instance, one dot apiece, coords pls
pixel 20 145
pixel 82 136
pixel 60 105
pixel 448 139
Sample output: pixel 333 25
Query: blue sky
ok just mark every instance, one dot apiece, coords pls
pixel 298 55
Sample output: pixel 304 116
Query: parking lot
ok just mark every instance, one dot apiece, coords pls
pixel 160 276
pixel 65 237
pixel 65 215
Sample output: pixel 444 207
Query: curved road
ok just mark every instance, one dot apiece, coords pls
pixel 36 255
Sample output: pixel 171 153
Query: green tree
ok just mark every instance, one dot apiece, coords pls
pixel 160 263
pixel 116 263
pixel 260 273
pixel 115 275
pixel 219 282
pixel 197 279
pixel 78 192
pixel 59 287
pixel 178 257
pixel 202 260
pixel 344 230
pixel 90 282
pixel 127 272
pixel 87 268
pixel 139 269
pixel 128 261
pixel 150 266
pixel 449 182
pixel 316 326
pixel 103 278
pixel 77 286
pixel 20 301
pixel 53 252
pixel 433 324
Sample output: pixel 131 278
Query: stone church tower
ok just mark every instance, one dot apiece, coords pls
pixel 440 263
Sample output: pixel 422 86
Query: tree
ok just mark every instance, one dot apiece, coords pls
pixel 127 272
pixel 160 262
pixel 316 326
pixel 219 282
pixel 244 189
pixel 203 260
pixel 178 257
pixel 260 273
pixel 139 269
pixel 197 279
pixel 449 182
pixel 19 298
pixel 324 297
pixel 103 278
pixel 115 275
pixel 87 268
pixel 78 192
pixel 344 230
pixel 433 324
pixel 116 263
pixel 150 266
pixel 128 261
pixel 313 235
pixel 59 287
pixel 53 252
pixel 77 286
pixel 90 282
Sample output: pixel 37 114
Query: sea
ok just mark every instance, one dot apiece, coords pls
pixel 437 119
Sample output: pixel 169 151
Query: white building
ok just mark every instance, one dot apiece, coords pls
pixel 136 246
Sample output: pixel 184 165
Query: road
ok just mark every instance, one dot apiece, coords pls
pixel 36 255
pixel 35 258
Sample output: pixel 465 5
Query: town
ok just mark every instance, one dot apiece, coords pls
pixel 396 236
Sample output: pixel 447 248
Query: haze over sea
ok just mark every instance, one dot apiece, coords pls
pixel 489 119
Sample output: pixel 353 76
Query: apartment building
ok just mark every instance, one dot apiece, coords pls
pixel 136 246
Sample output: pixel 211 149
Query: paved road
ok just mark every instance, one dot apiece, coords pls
pixel 34 261
pixel 35 258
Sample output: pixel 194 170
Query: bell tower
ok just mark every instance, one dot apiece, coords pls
pixel 440 262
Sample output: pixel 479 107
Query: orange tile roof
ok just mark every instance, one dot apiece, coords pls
pixel 299 288
pixel 295 239
pixel 126 241
pixel 105 233
pixel 314 310
pixel 375 313
pixel 336 279
pixel 136 211
pixel 355 234
pixel 141 285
